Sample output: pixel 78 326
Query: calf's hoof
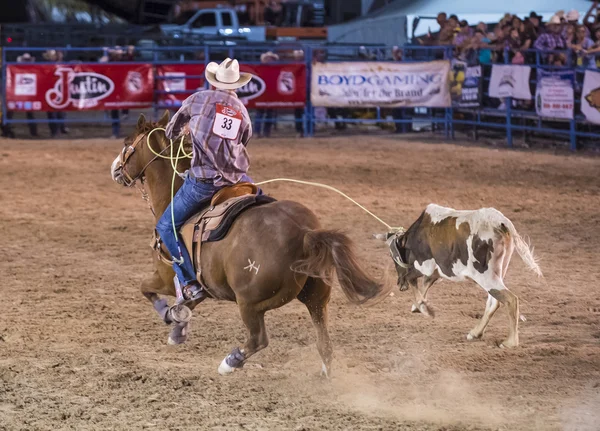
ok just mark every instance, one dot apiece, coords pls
pixel 509 344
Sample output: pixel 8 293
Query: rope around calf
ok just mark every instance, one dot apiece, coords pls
pixel 181 150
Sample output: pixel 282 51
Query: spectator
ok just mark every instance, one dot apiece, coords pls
pixel 56 119
pixel 572 19
pixel 442 19
pixel 582 45
pixel 264 117
pixel 552 40
pixel 536 22
pixel 464 35
pixel 481 43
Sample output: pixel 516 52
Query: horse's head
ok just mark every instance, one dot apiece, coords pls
pixel 137 153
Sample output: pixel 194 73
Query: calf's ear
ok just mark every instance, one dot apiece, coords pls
pixel 381 236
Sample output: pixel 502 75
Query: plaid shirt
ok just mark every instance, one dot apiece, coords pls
pixel 550 42
pixel 223 160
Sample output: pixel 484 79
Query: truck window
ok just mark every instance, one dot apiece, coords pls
pixel 208 19
pixel 227 20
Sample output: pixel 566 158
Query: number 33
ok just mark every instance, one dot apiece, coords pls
pixel 226 124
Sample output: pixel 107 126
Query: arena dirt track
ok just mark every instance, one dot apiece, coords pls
pixel 80 348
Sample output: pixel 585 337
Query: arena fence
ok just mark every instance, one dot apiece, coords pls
pixel 554 94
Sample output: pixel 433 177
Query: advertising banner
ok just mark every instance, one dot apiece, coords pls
pixel 590 97
pixel 465 85
pixel 371 84
pixel 554 95
pixel 272 86
pixel 510 81
pixel 74 87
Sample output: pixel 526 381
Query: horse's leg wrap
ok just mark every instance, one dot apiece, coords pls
pixel 162 308
pixel 179 333
pixel 232 361
pixel 236 358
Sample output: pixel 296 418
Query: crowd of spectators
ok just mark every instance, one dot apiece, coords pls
pixel 565 39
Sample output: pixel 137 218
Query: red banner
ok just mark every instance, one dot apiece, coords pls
pixel 276 86
pixel 73 87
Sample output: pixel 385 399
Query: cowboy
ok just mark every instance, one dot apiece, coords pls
pixel 220 129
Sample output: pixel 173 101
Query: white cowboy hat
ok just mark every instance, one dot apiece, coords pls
pixel 573 15
pixel 269 55
pixel 226 75
pixel 554 20
pixel 25 57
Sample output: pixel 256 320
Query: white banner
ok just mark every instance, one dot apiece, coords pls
pixel 372 84
pixel 510 81
pixel 554 95
pixel 590 97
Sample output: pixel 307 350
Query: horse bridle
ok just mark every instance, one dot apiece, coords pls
pixel 126 154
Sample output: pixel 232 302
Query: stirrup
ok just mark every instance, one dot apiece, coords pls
pixel 194 292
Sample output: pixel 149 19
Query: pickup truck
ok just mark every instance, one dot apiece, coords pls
pixel 221 22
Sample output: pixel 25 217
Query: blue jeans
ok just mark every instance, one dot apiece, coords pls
pixel 189 199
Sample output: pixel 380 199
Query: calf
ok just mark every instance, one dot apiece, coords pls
pixel 459 245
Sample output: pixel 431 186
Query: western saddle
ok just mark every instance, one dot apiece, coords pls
pixel 212 223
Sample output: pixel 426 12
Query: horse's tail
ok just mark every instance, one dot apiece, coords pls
pixel 326 251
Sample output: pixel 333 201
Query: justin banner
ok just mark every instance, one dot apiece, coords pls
pixel 374 84
pixel 72 87
pixel 590 97
pixel 510 81
pixel 554 96
pixel 272 86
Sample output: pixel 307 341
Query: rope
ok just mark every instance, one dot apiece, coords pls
pixel 175 160
pixel 333 189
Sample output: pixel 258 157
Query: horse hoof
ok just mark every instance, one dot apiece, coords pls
pixel 178 335
pixel 180 313
pixel 225 369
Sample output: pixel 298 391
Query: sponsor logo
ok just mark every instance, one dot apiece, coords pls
pixel 80 89
pixel 37 106
pixel 135 83
pixel 228 111
pixel 381 80
pixel 255 88
pixel 508 80
pixel 25 84
pixel 286 83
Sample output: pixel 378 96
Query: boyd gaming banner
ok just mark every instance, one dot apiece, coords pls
pixel 272 86
pixel 510 81
pixel 71 87
pixel 554 96
pixel 374 84
pixel 590 97
pixel 465 85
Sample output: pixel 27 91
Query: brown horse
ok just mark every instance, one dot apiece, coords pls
pixel 292 257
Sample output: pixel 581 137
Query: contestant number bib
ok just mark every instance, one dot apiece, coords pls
pixel 227 122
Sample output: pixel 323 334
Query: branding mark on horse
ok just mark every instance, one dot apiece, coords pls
pixel 252 266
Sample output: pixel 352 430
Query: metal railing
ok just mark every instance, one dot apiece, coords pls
pixel 489 116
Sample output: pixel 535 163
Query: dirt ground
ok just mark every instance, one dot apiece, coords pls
pixel 80 348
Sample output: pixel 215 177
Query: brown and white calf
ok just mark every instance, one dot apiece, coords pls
pixel 460 245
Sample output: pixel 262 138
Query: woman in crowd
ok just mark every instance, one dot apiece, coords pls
pixel 581 45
